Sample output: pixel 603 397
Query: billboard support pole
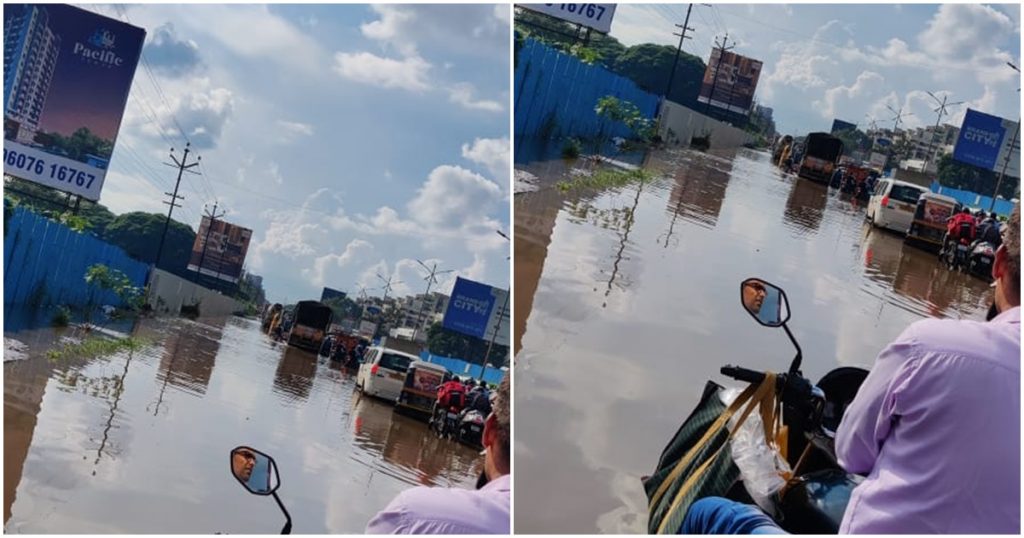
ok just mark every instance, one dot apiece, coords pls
pixel 497 327
pixel 718 65
pixel 1006 162
pixel 182 166
pixel 206 241
pixel 679 49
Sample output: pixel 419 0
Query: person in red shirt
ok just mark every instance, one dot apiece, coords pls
pixel 450 395
pixel 954 225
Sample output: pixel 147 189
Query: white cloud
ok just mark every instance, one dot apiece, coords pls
pixel 462 95
pixel 319 273
pixel 453 196
pixel 466 28
pixel 390 27
pixel 492 153
pixel 201 110
pixel 964 32
pixel 867 82
pixel 291 130
pixel 408 74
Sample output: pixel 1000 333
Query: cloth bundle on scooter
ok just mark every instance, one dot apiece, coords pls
pixel 698 462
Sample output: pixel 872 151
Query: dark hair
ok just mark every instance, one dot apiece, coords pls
pixel 503 420
pixel 1011 242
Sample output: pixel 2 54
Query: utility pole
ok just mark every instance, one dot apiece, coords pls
pixel 387 289
pixel 494 336
pixel 682 36
pixel 206 240
pixel 182 166
pixel 896 127
pixel 931 139
pixel 1009 154
pixel 431 280
pixel 714 81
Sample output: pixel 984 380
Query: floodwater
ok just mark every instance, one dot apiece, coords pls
pixel 139 443
pixel 627 301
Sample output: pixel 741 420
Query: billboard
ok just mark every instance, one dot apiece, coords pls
pixel 478 310
pixel 331 293
pixel 219 250
pixel 596 16
pixel 878 160
pixel 985 142
pixel 840 125
pixel 736 77
pixel 67 73
pixel 367 329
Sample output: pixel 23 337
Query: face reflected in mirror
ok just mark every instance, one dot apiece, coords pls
pixel 765 302
pixel 252 469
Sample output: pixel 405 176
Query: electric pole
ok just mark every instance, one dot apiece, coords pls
pixel 182 166
pixel 714 81
pixel 682 36
pixel 206 240
pixel 431 280
pixel 1009 154
pixel 940 110
pixel 497 328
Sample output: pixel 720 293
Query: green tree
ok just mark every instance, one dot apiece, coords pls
pixel 138 234
pixel 853 140
pixel 51 203
pixel 447 343
pixel 649 66
pixel 343 308
pixel 958 175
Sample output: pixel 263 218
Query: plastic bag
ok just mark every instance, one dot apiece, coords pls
pixel 761 466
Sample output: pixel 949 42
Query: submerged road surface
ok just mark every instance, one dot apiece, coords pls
pixel 628 300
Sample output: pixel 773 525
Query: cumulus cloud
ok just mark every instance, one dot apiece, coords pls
pixel 464 28
pixel 867 82
pixel 322 265
pixel 453 196
pixel 408 73
pixel 292 130
pixel 169 54
pixel 492 153
pixel 463 93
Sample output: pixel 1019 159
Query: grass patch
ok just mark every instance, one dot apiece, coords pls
pixel 94 346
pixel 605 178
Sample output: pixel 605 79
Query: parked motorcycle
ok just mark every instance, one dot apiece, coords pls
pixel 815 499
pixel 980 260
pixel 257 472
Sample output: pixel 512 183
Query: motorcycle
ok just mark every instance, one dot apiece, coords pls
pixel 956 254
pixel 257 473
pixel 814 498
pixel 981 258
pixel 445 422
pixel 471 427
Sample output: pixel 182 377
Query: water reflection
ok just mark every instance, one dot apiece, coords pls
pixel 636 366
pixel 293 378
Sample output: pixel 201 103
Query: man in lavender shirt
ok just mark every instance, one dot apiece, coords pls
pixel 935 428
pixel 936 425
pixel 426 510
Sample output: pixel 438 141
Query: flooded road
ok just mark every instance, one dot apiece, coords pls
pixel 627 301
pixel 139 442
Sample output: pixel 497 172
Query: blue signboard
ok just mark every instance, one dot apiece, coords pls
pixel 331 293
pixel 469 309
pixel 840 125
pixel 981 137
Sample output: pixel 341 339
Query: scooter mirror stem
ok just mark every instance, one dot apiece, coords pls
pixel 288 524
pixel 794 368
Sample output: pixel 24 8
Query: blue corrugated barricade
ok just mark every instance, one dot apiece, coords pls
pixel 462 368
pixel 973 199
pixel 555 95
pixel 45 263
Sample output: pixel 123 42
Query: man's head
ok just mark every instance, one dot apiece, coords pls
pixel 242 463
pixel 753 295
pixel 1006 269
pixel 497 437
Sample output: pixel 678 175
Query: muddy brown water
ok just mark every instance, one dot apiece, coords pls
pixel 139 443
pixel 627 301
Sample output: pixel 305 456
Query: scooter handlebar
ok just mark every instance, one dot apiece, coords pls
pixel 743 374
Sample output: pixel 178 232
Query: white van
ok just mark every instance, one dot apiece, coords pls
pixel 382 372
pixel 893 203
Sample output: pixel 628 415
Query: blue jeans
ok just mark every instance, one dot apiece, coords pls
pixel 717 515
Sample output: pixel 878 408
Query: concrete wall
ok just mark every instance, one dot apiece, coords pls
pixel 686 123
pixel 167 293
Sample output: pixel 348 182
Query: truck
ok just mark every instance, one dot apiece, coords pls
pixel 821 154
pixel 311 320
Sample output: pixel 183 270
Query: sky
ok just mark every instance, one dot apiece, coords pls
pixel 352 139
pixel 852 61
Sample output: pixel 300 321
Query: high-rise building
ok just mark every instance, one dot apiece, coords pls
pixel 30 56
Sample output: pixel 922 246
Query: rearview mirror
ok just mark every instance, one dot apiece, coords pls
pixel 256 471
pixel 767 303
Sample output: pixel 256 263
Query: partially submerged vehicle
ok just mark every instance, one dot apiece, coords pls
pixel 311 320
pixel 929 224
pixel 821 156
pixel 419 392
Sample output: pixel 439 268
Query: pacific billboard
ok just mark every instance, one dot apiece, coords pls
pixel 67 74
pixel 596 16
pixel 219 250
pixel 733 81
pixel 478 310
pixel 986 141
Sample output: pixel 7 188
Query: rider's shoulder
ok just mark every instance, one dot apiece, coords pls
pixel 950 338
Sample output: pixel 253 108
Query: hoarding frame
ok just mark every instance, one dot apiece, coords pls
pixel 204 261
pixel 597 17
pixel 987 142
pixel 712 89
pixel 475 309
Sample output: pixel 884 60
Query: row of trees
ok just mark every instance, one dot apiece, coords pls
pixel 447 343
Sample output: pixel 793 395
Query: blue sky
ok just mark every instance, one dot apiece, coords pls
pixel 352 139
pixel 850 61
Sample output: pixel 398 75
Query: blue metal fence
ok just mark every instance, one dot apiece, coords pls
pixel 462 368
pixel 973 199
pixel 555 95
pixel 45 263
